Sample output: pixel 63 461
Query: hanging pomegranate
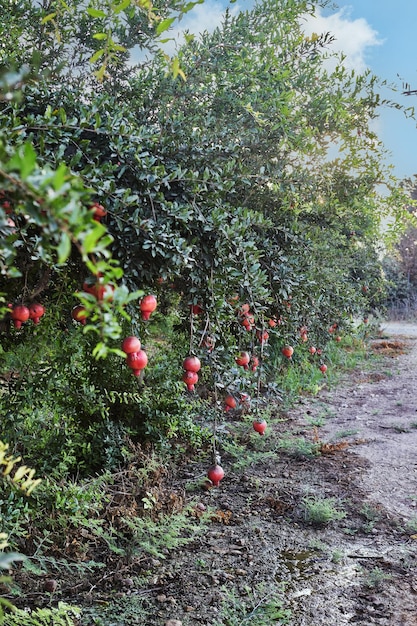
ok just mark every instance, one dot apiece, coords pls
pixel 147 306
pixel 131 344
pixel 259 426
pixel 98 211
pixel 191 364
pixel 137 360
pixel 19 314
pixel 243 360
pixel 79 314
pixel 215 474
pixel 36 311
pixel 229 403
pixel 190 379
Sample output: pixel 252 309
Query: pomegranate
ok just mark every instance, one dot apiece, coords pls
pixel 131 344
pixel 79 314
pixel 254 363
pixel 338 338
pixel 262 336
pixel 98 211
pixel 260 426
pixel 304 337
pixel 243 360
pixel 272 322
pixel 191 364
pixel 99 290
pixel 19 314
pixel 229 403
pixel 190 379
pixel 323 368
pixel 196 309
pixel 215 474
pixel 287 351
pixel 147 306
pixel 312 350
pixel 36 311
pixel 137 360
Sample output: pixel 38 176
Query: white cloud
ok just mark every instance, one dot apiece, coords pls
pixel 353 37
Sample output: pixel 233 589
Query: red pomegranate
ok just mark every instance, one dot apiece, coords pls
pixel 131 344
pixel 98 211
pixel 215 474
pixel 229 403
pixel 79 314
pixel 147 306
pixel 190 379
pixel 191 364
pixel 19 314
pixel 36 311
pixel 137 360
pixel 243 360
pixel 259 426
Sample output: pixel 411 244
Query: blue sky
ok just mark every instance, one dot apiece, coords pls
pixel 375 34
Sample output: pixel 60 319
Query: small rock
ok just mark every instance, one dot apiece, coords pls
pixel 161 598
pixel 173 622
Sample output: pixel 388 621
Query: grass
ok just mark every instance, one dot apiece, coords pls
pixel 262 606
pixel 320 511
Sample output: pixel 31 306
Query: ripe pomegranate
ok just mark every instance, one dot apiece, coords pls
pixel 79 314
pixel 196 309
pixel 244 309
pixel 272 322
pixel 190 379
pixel 312 350
pixel 36 311
pixel 338 338
pixel 287 351
pixel 259 426
pixel 229 403
pixel 262 336
pixel 323 368
pixel 254 363
pixel 131 344
pixel 99 290
pixel 215 474
pixel 19 314
pixel 147 306
pixel 137 360
pixel 304 337
pixel 243 360
pixel 191 364
pixel 98 211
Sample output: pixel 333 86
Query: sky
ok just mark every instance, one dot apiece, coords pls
pixel 378 35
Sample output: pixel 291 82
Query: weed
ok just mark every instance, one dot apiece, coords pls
pixel 63 615
pixel 375 578
pixel 348 432
pixel 298 447
pixel 262 606
pixel 316 421
pixel 320 511
pixel 411 525
pixel 371 515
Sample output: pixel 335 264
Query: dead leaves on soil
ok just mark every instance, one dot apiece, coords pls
pixel 389 348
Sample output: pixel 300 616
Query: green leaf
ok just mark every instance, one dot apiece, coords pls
pixel 95 12
pixel 100 36
pixel 24 160
pixel 97 55
pixel 48 18
pixel 164 25
pixel 117 8
pixel 64 248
